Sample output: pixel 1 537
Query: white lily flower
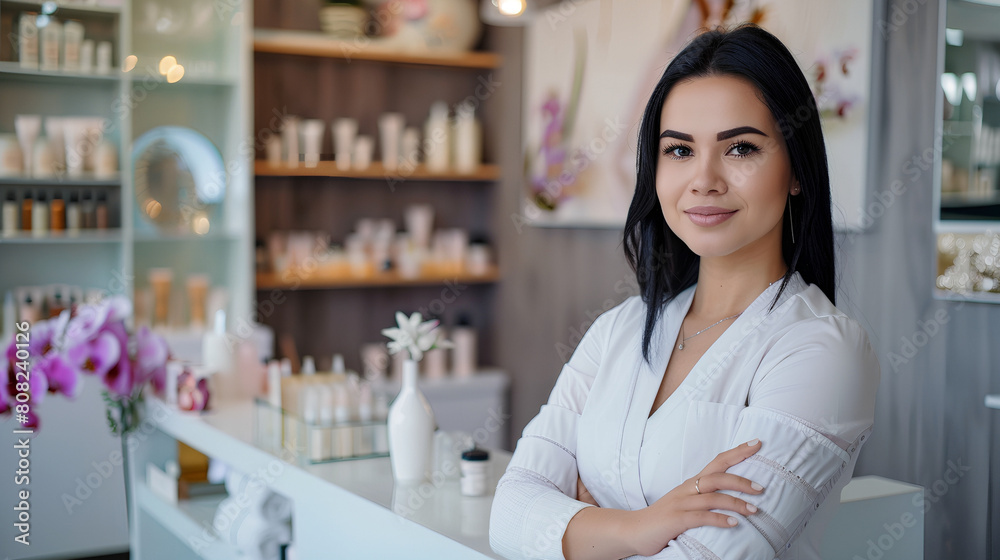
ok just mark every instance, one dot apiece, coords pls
pixel 414 335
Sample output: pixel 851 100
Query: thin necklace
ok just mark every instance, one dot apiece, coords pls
pixel 683 340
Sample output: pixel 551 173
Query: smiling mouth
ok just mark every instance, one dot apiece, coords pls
pixel 707 218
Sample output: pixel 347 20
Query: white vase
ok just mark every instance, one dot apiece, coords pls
pixel 411 430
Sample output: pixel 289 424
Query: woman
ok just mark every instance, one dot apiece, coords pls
pixel 720 413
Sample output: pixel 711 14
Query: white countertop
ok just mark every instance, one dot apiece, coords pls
pixel 342 494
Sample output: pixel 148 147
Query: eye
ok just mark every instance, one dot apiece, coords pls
pixel 743 149
pixel 677 151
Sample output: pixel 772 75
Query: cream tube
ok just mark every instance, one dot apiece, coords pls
pixel 27 127
pixel 390 130
pixel 344 131
pixel 312 134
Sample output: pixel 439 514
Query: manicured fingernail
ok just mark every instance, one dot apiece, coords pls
pixel 751 508
pixel 732 521
pixel 753 442
pixel 756 486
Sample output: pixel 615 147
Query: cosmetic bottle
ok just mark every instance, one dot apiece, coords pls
pixel 10 212
pixel 101 212
pixel 343 441
pixel 88 216
pixel 27 40
pixel 29 309
pixel 57 213
pixel 321 439
pixel 26 211
pixel 51 45
pixel 160 280
pixel 27 128
pixel 463 336
pixel 475 471
pixel 104 57
pixel 390 131
pixel 87 56
pixel 57 303
pixel 312 134
pixel 40 216
pixel 308 366
pixel 467 140
pixel 437 140
pixel 344 132
pixel 309 412
pixel 364 434
pixel 72 41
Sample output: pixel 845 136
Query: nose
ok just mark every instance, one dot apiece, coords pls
pixel 707 179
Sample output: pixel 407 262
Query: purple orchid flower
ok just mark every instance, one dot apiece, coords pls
pixel 151 359
pixel 120 378
pixel 59 373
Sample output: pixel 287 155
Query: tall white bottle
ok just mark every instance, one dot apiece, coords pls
pixel 411 430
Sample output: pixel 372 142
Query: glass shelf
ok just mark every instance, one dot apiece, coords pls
pixel 13 70
pixel 276 428
pixel 63 237
pixel 60 182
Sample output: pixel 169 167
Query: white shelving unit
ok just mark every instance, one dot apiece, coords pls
pixel 214 98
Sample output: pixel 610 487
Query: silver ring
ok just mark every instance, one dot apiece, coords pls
pixel 696 485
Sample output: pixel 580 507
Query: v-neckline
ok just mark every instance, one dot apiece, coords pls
pixel 672 329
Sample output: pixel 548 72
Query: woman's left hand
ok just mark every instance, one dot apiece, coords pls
pixel 582 494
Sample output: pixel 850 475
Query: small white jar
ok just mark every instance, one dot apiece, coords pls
pixel 475 471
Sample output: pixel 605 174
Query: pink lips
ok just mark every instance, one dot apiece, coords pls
pixel 709 215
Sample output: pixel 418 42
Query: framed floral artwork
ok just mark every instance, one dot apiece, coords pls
pixel 587 79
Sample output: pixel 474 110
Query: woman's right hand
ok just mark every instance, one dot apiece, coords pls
pixel 688 506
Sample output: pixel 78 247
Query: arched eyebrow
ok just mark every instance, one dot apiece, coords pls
pixel 724 135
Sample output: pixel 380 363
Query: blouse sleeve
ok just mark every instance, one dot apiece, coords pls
pixel 812 405
pixel 536 497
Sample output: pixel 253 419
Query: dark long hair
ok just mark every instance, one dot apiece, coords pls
pixel 664 265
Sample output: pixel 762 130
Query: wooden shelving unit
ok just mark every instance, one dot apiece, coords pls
pixel 304 43
pixel 485 172
pixel 269 281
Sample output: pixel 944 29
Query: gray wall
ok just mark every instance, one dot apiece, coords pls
pixel 931 421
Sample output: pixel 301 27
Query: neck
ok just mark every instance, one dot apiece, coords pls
pixel 728 285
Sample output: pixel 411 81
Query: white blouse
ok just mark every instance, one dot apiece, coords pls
pixel 801 377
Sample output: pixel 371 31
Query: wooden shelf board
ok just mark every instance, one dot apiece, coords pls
pixel 268 281
pixel 485 172
pixel 304 43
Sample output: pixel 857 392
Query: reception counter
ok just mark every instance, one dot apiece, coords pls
pixel 346 509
